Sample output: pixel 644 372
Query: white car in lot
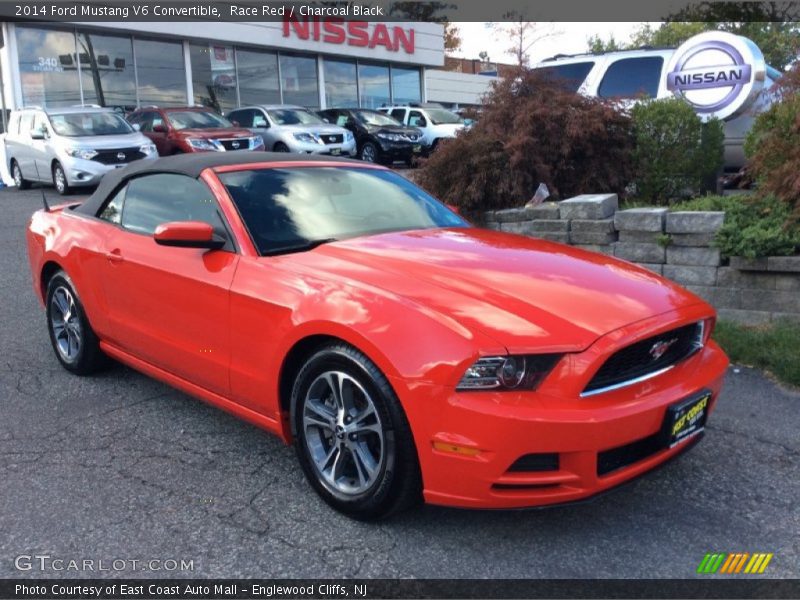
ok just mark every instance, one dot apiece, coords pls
pixel 286 128
pixel 435 122
pixel 70 147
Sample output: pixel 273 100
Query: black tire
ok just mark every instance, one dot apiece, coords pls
pixel 280 147
pixel 369 153
pixel 60 180
pixel 88 358
pixel 20 182
pixel 397 483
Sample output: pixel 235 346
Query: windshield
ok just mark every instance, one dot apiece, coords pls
pixel 376 118
pixel 440 116
pixel 86 124
pixel 293 116
pixel 196 119
pixel 295 208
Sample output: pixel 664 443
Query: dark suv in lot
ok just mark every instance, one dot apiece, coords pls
pixel 192 129
pixel 379 137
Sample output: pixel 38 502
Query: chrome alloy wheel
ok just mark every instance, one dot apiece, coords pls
pixel 59 179
pixel 343 433
pixel 18 180
pixel 65 323
pixel 369 153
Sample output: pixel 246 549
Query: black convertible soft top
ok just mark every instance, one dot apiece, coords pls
pixel 191 165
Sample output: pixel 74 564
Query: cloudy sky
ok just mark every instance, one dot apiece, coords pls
pixel 566 38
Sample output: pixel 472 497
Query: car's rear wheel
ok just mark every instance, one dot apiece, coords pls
pixel 281 147
pixel 74 341
pixel 369 152
pixel 60 180
pixel 352 437
pixel 19 181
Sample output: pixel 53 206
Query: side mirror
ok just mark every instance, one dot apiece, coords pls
pixel 235 123
pixel 159 128
pixel 37 134
pixel 136 127
pixel 188 234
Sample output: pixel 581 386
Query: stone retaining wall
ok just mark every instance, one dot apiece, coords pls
pixel 677 245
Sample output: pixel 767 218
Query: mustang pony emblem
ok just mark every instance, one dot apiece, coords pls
pixel 659 348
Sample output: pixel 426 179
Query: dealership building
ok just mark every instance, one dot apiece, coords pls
pixel 308 62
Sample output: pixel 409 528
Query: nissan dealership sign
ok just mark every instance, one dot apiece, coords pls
pixel 719 74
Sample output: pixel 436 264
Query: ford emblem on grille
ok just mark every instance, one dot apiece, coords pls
pixel 120 156
pixel 660 347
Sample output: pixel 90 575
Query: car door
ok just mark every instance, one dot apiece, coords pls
pixel 24 151
pixel 166 305
pixel 399 114
pixel 41 149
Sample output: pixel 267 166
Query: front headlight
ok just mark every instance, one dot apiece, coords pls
pixel 84 153
pixel 522 372
pixel 392 137
pixel 201 144
pixel 148 149
pixel 348 136
pixel 308 138
pixel 258 142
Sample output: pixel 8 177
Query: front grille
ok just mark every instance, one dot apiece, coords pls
pixel 623 456
pixel 235 144
pixel 332 138
pixel 644 358
pixel 118 156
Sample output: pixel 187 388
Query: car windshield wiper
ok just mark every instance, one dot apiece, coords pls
pixel 309 245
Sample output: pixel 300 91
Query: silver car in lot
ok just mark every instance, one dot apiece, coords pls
pixel 70 147
pixel 286 128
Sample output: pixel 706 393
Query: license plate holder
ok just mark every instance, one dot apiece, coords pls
pixel 336 151
pixel 686 418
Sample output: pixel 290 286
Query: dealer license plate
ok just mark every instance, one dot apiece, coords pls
pixel 336 151
pixel 686 418
pixel 416 149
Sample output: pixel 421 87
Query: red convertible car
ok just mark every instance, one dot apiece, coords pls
pixel 406 353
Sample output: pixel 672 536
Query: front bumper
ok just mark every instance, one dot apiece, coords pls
pixel 401 150
pixel 343 149
pixel 498 428
pixel 81 172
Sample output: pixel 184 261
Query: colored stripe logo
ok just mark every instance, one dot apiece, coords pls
pixel 734 563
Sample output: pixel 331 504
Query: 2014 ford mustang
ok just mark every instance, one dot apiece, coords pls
pixel 405 352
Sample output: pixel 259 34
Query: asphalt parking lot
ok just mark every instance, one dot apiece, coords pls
pixel 118 466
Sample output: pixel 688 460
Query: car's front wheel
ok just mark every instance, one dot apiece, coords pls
pixel 74 341
pixel 19 181
pixel 60 180
pixel 352 437
pixel 369 152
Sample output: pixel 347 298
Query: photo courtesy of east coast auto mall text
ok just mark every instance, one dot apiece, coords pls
pixel 381 299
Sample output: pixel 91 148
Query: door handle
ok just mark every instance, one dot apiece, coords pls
pixel 115 256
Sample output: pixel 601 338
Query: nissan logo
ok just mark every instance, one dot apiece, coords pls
pixel 235 145
pixel 719 74
pixel 120 156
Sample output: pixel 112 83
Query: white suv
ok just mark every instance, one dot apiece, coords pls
pixel 435 122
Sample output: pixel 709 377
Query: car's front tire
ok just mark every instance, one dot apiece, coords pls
pixel 19 181
pixel 280 147
pixel 60 179
pixel 74 341
pixel 369 153
pixel 352 437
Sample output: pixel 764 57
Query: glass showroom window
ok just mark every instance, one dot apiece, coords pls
pixel 405 86
pixel 373 81
pixel 299 80
pixel 48 68
pixel 258 77
pixel 161 73
pixel 213 76
pixel 341 83
pixel 107 70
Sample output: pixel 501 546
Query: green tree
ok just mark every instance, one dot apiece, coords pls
pixel 598 45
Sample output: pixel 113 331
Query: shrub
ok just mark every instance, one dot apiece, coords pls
pixel 756 227
pixel 675 151
pixel 773 147
pixel 708 203
pixel 530 131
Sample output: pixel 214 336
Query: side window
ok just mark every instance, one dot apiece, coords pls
pixel 244 117
pixel 151 200
pixel 259 120
pixel 145 121
pixel 416 119
pixel 112 211
pixel 157 120
pixel 26 123
pixel 39 122
pixel 632 77
pixel 399 114
pixel 340 118
pixel 570 76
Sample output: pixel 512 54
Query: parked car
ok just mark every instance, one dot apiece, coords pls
pixel 630 74
pixel 70 147
pixel 435 122
pixel 287 128
pixel 192 129
pixel 379 138
pixel 406 353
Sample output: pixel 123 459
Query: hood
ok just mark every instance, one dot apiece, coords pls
pixel 448 128
pixel 215 133
pixel 320 129
pixel 106 142
pixel 401 129
pixel 525 293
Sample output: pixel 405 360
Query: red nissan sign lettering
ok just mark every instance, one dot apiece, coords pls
pixel 353 33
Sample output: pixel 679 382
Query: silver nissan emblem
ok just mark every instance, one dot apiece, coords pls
pixel 235 144
pixel 120 156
